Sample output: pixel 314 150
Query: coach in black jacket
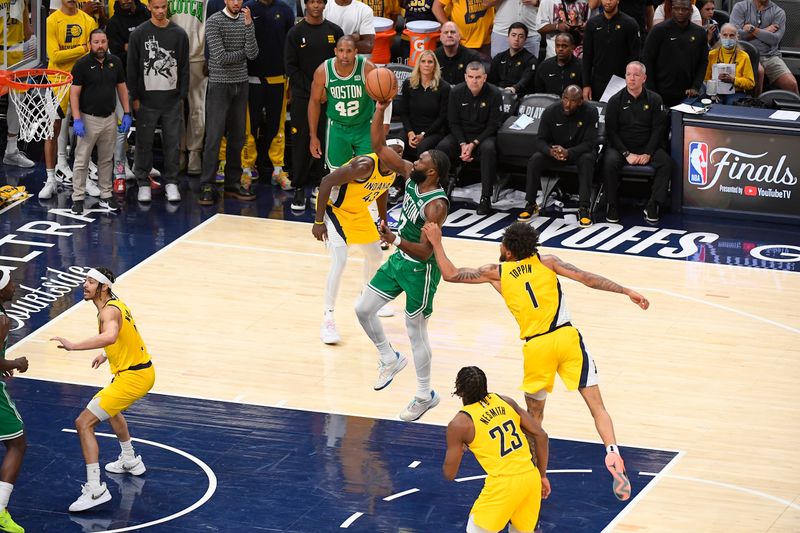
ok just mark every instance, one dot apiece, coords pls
pixel 474 116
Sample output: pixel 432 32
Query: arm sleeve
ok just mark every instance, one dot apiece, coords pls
pixel 651 45
pixel 495 112
pixel 773 39
pixel 745 80
pixel 612 125
pixel 526 81
pixel 659 124
pixel 494 71
pixel 116 43
pixel 444 96
pixel 700 72
pixel 589 137
pixel 696 18
pixel 60 57
pixel 183 64
pixel 290 59
pixel 453 117
pixel 544 137
pixel 216 45
pixel 132 69
pixel 588 57
pixel 635 43
pixel 405 114
pixel 367 25
pixel 250 44
pixel 737 19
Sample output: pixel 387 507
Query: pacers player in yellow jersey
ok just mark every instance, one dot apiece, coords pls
pixel 134 376
pixel 494 429
pixel 68 32
pixel 530 287
pixel 344 220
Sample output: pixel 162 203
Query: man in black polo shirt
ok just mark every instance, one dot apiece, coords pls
pixel 98 78
pixel 635 128
pixel 453 58
pixel 676 54
pixel 513 69
pixel 474 112
pixel 611 41
pixel 567 135
pixel 555 74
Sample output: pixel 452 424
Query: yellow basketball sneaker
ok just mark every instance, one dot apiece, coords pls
pixel 7 524
pixel 621 485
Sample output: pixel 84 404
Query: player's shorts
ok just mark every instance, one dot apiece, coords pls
pixel 509 498
pixel 346 228
pixel 559 351
pixel 343 143
pixel 11 425
pixel 418 280
pixel 125 389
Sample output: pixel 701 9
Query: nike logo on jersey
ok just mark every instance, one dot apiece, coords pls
pixel 465 103
pixel 672 38
pixel 561 124
pixel 551 75
pixel 626 107
pixel 93 66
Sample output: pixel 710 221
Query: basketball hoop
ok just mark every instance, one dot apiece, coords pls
pixel 37 93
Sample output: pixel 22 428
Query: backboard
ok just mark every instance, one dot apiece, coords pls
pixel 22 34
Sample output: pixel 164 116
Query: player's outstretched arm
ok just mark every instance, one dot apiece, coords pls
pixel 359 168
pixel 387 156
pixel 592 280
pixel 486 274
pixel 541 442
pixel 110 318
pixel 457 432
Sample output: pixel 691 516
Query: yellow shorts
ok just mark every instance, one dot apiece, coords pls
pixel 348 228
pixel 125 389
pixel 559 351
pixel 509 498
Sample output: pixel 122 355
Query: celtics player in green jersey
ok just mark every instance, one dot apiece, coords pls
pixel 411 268
pixel 11 429
pixel 340 81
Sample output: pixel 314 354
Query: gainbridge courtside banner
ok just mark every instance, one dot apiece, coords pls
pixel 741 171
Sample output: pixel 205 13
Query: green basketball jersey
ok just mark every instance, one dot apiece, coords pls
pixel 348 101
pixel 412 215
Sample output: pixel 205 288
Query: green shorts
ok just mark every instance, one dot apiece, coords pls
pixel 10 421
pixel 418 280
pixel 343 143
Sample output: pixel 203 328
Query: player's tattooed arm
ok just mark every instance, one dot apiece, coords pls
pixel 592 280
pixel 483 274
pixel 432 233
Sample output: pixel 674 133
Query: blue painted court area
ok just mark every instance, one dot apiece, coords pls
pixel 280 470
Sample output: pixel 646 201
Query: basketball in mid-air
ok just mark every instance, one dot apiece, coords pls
pixel 381 84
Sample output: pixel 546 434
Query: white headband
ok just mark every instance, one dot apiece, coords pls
pixel 396 142
pixel 94 274
pixel 5 279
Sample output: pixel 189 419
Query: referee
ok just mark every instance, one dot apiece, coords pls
pixel 96 77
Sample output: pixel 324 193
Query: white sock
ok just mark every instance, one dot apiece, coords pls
pixel 386 353
pixel 11 145
pixel 51 174
pixel 127 449
pixel 5 494
pixel 93 474
pixel 277 170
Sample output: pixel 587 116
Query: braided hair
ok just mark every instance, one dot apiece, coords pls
pixel 471 385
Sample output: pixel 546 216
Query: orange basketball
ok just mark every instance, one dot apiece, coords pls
pixel 381 84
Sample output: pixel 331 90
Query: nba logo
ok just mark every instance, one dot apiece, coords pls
pixel 698 163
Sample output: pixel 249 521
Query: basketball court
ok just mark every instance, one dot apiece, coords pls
pixel 255 425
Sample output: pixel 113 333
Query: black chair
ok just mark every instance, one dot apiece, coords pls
pixel 510 103
pixel 770 97
pixel 721 17
pixel 755 57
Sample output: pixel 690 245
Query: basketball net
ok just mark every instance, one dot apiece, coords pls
pixel 37 95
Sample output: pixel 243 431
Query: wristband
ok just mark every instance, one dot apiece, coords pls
pixel 397 240
pixel 320 222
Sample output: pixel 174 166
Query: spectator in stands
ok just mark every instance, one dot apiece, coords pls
pixel 664 12
pixel 473 115
pixel 558 16
pixel 388 9
pixel 128 14
pixel 308 44
pixel 508 12
pixel 676 54
pixel 419 10
pixel 706 8
pixel 728 51
pixel 474 21
pixel 452 56
pixel 567 136
pixel 231 39
pixel 514 68
pixel 158 80
pixel 639 10
pixel 555 74
pixel 425 104
pixel 762 23
pixel 611 41
pixel 356 20
pixel 636 124
pixel 190 15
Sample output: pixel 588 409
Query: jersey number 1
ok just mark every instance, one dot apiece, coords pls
pixel 531 294
pixel 500 432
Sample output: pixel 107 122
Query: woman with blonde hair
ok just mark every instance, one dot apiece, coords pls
pixel 424 109
pixel 728 51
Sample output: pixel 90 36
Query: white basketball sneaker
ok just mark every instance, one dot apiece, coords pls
pixel 418 407
pixel 386 373
pixel 48 190
pixel 91 187
pixel 122 465
pixel 173 194
pixel 328 333
pixel 90 497
pixel 386 311
pixel 64 175
pixel 17 159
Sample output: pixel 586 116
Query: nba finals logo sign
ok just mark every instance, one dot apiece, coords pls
pixel 698 163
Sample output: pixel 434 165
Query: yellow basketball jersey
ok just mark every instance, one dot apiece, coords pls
pixel 129 349
pixel 349 206
pixel 12 31
pixel 66 37
pixel 499 444
pixel 533 295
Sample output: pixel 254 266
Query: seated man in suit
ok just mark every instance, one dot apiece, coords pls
pixel 567 135
pixel 635 128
